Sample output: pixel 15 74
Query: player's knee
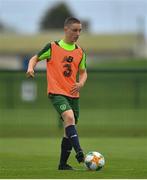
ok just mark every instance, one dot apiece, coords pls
pixel 68 118
pixel 71 120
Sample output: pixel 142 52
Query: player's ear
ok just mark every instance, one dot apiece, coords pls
pixel 65 28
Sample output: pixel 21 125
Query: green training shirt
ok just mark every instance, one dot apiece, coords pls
pixel 45 53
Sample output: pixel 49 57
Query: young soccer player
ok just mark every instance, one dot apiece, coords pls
pixel 65 60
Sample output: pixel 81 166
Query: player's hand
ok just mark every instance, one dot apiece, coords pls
pixel 76 88
pixel 30 74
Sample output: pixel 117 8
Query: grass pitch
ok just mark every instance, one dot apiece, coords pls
pixel 112 121
pixel 38 158
pixel 30 144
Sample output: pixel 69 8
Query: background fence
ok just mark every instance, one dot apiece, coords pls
pixel 113 102
pixel 104 89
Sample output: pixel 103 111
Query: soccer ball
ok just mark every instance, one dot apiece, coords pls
pixel 94 161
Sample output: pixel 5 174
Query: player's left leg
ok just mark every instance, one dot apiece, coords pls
pixel 75 107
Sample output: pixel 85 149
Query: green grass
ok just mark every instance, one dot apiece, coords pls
pixel 30 143
pixel 112 121
pixel 92 122
pixel 38 158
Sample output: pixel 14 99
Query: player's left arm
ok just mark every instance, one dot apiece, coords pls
pixel 82 76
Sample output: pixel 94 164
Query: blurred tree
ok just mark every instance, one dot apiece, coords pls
pixel 54 17
pixel 1 27
pixel 6 28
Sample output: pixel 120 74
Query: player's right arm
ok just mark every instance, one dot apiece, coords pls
pixel 45 53
pixel 32 63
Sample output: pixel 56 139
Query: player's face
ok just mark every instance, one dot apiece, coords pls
pixel 72 32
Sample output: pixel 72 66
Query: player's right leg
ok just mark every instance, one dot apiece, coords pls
pixel 61 104
pixel 71 133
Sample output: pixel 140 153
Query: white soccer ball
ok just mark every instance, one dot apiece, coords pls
pixel 94 161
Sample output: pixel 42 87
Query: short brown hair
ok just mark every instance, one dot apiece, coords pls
pixel 71 20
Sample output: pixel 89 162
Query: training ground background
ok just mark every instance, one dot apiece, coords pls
pixel 113 113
